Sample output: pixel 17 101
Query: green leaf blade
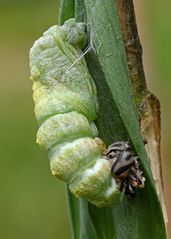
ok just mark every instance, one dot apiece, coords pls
pixel 66 10
pixel 133 218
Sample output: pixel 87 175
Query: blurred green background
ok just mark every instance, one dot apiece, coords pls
pixel 32 202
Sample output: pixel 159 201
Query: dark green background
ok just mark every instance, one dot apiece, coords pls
pixel 32 202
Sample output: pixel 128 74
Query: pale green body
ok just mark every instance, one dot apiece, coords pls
pixel 65 107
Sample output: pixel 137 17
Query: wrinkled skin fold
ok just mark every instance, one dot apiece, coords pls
pixel 65 108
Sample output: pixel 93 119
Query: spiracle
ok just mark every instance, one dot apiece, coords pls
pixel 65 108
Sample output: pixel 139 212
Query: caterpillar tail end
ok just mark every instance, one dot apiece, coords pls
pixel 109 198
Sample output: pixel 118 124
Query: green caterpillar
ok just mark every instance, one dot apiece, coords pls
pixel 65 107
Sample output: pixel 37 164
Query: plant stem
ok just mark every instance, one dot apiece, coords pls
pixel 147 104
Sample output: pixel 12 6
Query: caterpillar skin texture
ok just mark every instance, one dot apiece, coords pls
pixel 65 107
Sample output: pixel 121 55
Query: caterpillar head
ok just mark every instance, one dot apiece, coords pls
pixel 74 33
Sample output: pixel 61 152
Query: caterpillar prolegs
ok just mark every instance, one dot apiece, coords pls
pixel 65 108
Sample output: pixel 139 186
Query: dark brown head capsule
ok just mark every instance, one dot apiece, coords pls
pixel 125 167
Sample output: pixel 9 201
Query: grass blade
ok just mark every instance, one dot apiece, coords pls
pixel 66 10
pixel 140 217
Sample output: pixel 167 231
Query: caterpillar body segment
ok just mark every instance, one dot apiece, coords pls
pixel 65 107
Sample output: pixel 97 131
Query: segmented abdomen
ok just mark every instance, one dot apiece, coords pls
pixel 65 107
